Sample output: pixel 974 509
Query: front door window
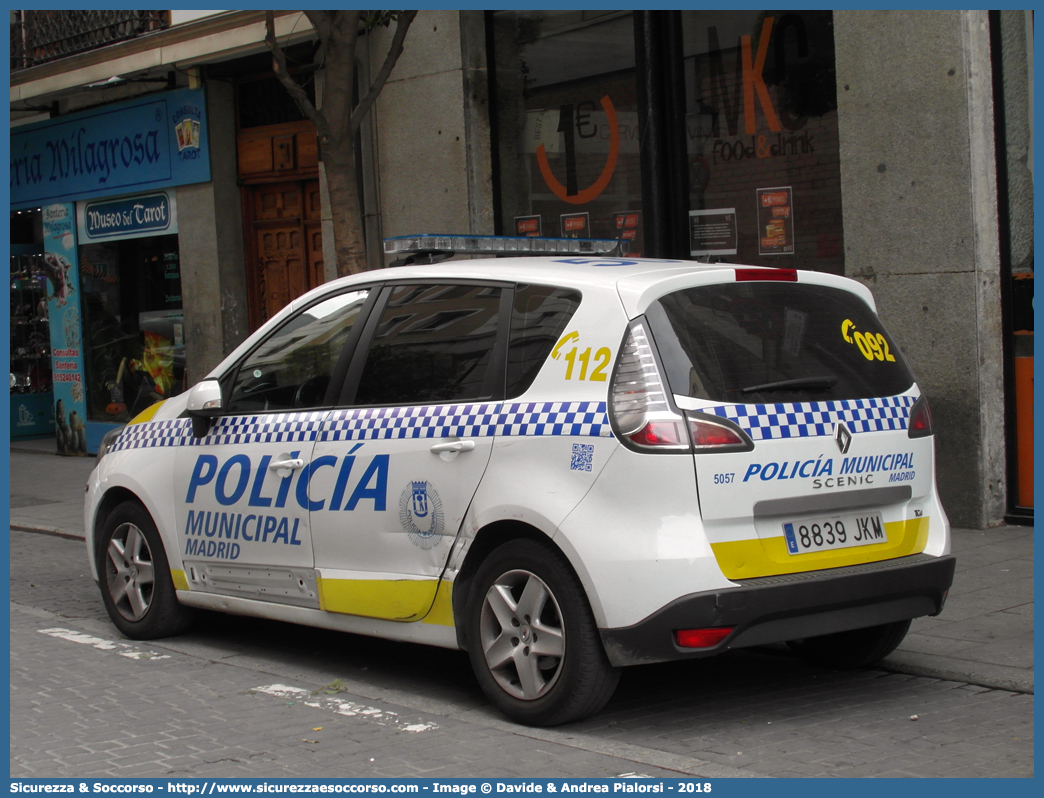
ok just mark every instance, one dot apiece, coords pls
pixel 292 369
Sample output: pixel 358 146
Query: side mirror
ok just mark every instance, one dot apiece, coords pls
pixel 204 402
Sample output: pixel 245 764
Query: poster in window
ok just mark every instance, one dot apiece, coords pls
pixel 576 225
pixel 713 232
pixel 629 229
pixel 528 226
pixel 775 221
pixel 61 266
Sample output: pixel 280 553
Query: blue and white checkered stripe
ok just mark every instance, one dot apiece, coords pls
pixel 583 419
pixel 274 428
pixel 154 433
pixel 430 421
pixel 587 419
pixel 812 419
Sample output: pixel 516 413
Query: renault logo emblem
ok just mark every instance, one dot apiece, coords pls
pixel 842 437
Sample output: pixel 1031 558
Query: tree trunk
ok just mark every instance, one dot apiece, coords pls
pixel 337 123
pixel 339 161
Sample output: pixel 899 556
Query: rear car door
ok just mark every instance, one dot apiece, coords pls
pixel 394 473
pixel 241 491
pixel 832 475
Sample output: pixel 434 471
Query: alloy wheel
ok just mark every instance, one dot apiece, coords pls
pixel 522 635
pixel 129 568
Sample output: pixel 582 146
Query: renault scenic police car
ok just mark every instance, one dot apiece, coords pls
pixel 562 464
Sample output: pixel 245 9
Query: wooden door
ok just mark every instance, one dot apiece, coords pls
pixel 286 238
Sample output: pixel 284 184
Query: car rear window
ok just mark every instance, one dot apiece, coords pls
pixel 756 342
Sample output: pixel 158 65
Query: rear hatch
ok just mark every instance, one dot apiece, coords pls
pixel 829 475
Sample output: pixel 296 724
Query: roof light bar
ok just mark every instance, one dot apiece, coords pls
pixel 501 245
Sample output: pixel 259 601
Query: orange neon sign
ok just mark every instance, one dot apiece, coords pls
pixel 599 185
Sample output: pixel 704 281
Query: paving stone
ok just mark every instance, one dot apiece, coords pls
pixel 79 711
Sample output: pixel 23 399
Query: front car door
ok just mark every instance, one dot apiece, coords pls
pixel 396 471
pixel 241 491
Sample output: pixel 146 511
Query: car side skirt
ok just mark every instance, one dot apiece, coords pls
pixel 433 633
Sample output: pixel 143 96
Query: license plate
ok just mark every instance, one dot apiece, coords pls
pixel 820 534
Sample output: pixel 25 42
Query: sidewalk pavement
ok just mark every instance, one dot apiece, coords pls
pixel 983 636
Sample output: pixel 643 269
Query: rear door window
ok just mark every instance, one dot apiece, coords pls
pixel 433 343
pixel 757 342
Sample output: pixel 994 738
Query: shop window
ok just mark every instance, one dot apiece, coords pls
pixel 32 412
pixel 758 130
pixel 764 160
pixel 267 102
pixel 567 122
pixel 133 325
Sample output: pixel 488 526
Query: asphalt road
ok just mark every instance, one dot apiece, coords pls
pixel 243 697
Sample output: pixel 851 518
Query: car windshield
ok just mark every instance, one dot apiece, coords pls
pixel 755 342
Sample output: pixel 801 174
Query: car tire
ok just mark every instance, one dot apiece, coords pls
pixel 532 639
pixel 134 576
pixel 853 649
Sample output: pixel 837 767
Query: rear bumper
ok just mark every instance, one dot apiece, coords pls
pixel 773 609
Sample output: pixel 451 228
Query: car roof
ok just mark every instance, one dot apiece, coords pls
pixel 637 280
pixel 565 270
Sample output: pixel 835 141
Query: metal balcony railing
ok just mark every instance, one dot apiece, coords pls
pixel 41 36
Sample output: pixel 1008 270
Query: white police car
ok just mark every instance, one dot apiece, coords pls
pixel 563 464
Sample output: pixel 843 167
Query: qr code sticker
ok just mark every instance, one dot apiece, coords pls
pixel 583 457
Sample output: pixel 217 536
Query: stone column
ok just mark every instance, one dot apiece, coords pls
pixel 210 240
pixel 918 178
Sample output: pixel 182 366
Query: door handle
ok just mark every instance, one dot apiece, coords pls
pixel 284 468
pixel 293 464
pixel 453 446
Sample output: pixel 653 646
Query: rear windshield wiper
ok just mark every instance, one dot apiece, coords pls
pixel 799 382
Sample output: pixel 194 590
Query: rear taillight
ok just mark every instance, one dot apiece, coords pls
pixel 712 434
pixel 660 433
pixel 639 408
pixel 920 425
pixel 701 638
pixel 644 418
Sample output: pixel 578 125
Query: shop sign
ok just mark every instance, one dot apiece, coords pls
pixel 60 264
pixel 138 216
pixel 156 141
pixel 570 192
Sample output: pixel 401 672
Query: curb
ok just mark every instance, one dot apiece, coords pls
pixel 43 530
pixel 16 449
pixel 995 677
